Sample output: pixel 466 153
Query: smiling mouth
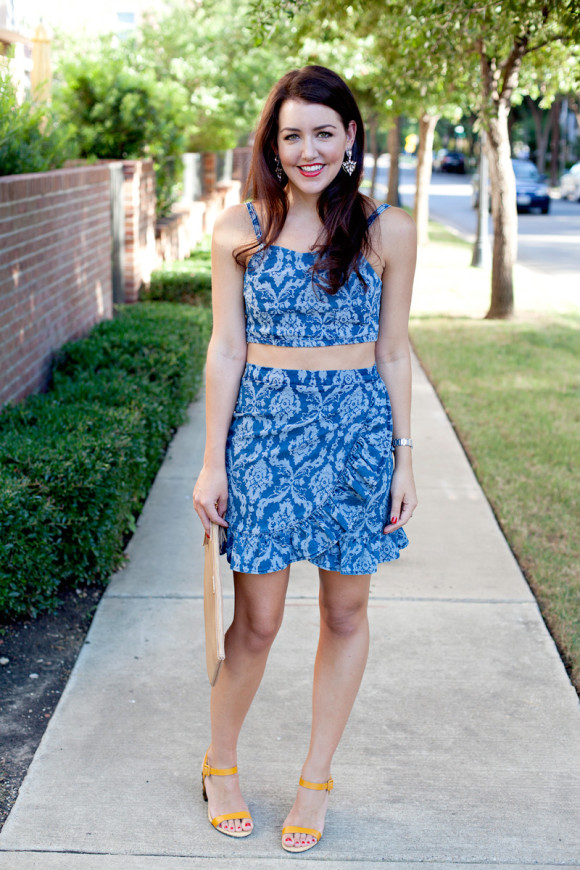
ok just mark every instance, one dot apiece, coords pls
pixel 311 169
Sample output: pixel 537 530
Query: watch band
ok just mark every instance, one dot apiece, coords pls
pixel 403 442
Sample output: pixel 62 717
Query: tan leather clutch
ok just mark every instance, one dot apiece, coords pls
pixel 213 608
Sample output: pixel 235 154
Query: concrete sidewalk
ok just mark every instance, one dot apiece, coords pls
pixel 463 749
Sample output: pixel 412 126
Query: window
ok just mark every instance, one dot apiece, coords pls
pixel 125 18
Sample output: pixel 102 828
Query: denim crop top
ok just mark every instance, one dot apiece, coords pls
pixel 285 308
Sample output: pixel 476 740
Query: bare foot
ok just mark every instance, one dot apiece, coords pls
pixel 309 811
pixel 224 797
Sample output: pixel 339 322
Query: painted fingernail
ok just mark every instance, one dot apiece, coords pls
pixel 393 520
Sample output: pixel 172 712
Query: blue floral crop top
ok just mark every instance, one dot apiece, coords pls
pixel 285 308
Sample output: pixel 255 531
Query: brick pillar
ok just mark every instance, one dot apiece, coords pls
pixel 208 172
pixel 139 203
pixel 241 168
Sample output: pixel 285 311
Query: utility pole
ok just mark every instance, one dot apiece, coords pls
pixel 481 253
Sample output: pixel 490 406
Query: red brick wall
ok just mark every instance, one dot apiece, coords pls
pixel 55 269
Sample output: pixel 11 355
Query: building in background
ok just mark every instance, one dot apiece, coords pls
pixel 15 48
pixel 20 19
pixel 107 16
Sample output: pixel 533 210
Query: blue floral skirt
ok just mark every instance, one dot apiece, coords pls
pixel 309 467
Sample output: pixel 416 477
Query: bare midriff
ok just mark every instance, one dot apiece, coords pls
pixel 329 358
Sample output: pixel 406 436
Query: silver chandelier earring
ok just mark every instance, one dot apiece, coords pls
pixel 348 164
pixel 278 170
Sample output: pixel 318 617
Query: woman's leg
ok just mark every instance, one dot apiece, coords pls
pixel 340 662
pixel 258 613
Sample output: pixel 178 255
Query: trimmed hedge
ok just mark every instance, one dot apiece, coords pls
pixel 77 462
pixel 187 281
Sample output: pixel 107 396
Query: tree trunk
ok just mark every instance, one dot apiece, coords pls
pixel 543 125
pixel 505 216
pixel 574 106
pixel 373 124
pixel 481 254
pixel 555 148
pixel 427 124
pixel 394 149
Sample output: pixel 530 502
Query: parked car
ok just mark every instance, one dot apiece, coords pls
pixel 531 188
pixel 449 161
pixel 570 184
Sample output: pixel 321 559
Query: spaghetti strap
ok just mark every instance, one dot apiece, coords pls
pixel 372 217
pixel 255 222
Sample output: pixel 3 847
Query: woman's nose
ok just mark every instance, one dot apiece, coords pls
pixel 308 148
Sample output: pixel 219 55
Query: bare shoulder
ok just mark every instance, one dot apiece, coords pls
pixel 393 220
pixel 233 227
pixel 397 220
pixel 398 234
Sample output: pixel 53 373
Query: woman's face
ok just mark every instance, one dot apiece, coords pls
pixel 311 144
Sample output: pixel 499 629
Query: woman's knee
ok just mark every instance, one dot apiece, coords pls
pixel 258 630
pixel 344 618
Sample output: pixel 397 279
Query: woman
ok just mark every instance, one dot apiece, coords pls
pixel 311 295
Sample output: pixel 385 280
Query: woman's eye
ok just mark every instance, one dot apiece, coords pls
pixel 290 137
pixel 325 134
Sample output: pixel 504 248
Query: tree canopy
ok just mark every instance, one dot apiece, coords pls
pixel 210 51
pixel 196 75
pixel 435 52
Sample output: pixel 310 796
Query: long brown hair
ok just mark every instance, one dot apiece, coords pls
pixel 341 207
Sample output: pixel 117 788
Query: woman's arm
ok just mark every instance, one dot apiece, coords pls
pixel 226 358
pixel 398 244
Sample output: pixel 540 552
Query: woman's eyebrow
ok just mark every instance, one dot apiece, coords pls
pixel 297 129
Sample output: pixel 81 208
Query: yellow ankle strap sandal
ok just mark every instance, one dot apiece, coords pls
pixel 312 832
pixel 206 770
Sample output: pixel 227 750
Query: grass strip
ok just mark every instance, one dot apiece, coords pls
pixel 512 391
pixel 76 463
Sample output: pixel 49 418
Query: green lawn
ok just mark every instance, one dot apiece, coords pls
pixel 512 390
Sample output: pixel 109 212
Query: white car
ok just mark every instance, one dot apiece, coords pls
pixel 570 184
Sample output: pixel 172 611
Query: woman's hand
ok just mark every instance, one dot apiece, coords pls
pixel 403 497
pixel 210 497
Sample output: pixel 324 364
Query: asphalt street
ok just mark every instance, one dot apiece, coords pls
pixel 548 243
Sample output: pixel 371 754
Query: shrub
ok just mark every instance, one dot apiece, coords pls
pixel 86 461
pixel 76 463
pixel 187 281
pixel 120 109
pixel 28 559
pixel 31 140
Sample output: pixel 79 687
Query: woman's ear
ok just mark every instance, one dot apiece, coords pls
pixel 350 134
